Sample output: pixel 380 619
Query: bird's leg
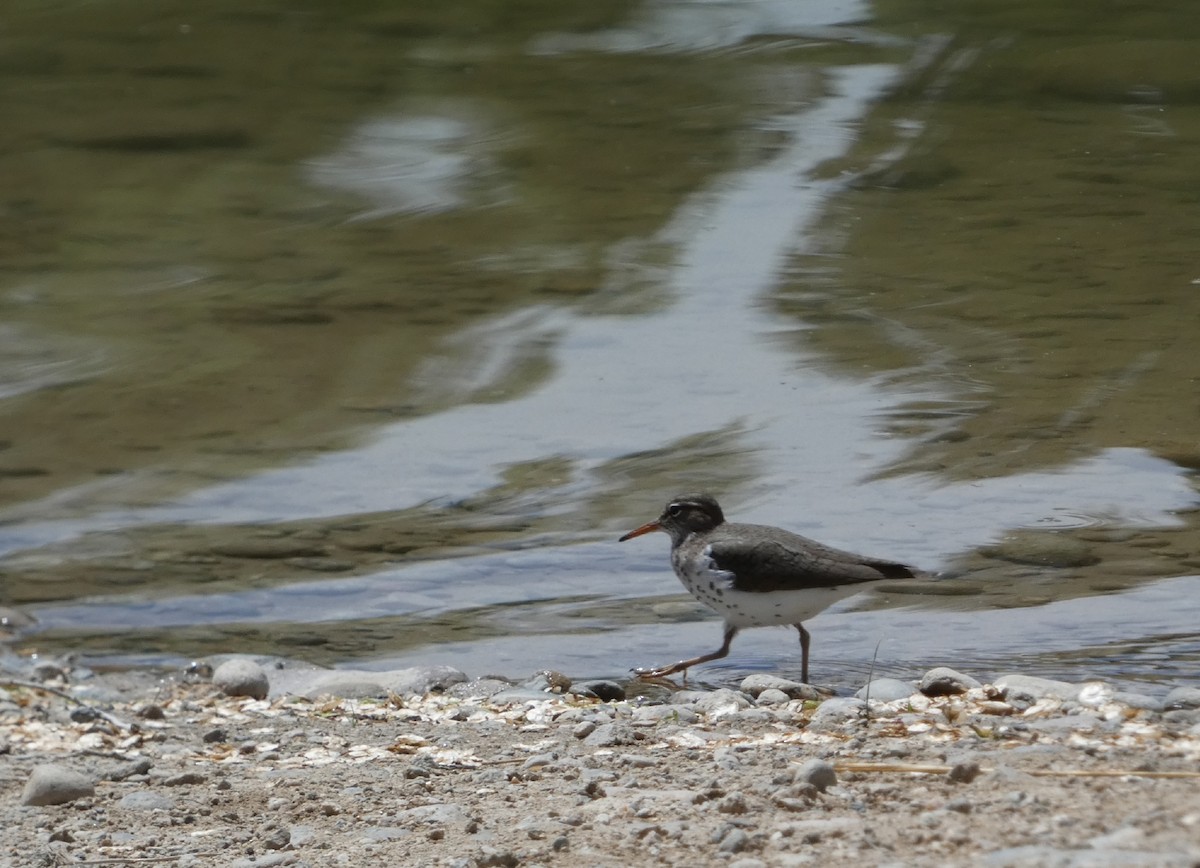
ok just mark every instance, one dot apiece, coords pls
pixel 804 642
pixel 684 665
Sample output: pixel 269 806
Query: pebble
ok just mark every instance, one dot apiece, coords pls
pixel 277 839
pixel 145 800
pixel 365 683
pixel 651 714
pixel 771 696
pixel 1043 550
pixel 610 735
pixel 735 841
pixel 1033 854
pixel 448 813
pixel 944 681
pixel 241 676
pixel 1182 698
pixel 1030 688
pixel 269 860
pixel 519 695
pixel 1138 700
pixel 713 702
pixel 886 690
pixel 817 773
pixel 733 803
pixel 758 682
pixel 963 772
pixel 184 779
pixel 834 712
pixel 52 784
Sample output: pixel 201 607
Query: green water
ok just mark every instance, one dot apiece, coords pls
pixel 359 332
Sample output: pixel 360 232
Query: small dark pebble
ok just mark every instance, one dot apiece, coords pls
pixel 277 839
pixel 133 768
pixel 491 858
pixel 964 772
pixel 184 779
pixel 215 736
pixel 605 691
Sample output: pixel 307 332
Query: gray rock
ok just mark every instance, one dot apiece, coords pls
pixel 944 681
pixel 815 830
pixel 443 814
pixel 1182 716
pixel 519 695
pixel 479 687
pixel 832 713
pixel 583 729
pixel 241 676
pixel 268 860
pixel 537 828
pixel 1067 723
pixel 733 803
pixel 707 702
pixel 1138 700
pixel 56 785
pixel 735 841
pixel 277 838
pixel 1029 688
pixel 549 681
pixel 1182 697
pixel 610 735
pixel 651 714
pixel 816 772
pixel 754 716
pixel 1033 854
pixel 182 780
pixel 361 683
pixel 145 800
pixel 539 760
pixel 491 857
pixel 755 684
pixel 771 697
pixel 1043 549
pixel 886 690
pixel 302 836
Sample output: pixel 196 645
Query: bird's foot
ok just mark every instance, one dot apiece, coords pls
pixel 658 675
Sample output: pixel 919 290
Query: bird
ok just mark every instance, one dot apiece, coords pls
pixel 754 575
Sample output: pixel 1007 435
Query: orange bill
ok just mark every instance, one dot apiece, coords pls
pixel 646 528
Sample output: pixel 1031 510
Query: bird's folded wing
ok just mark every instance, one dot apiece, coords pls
pixel 768 565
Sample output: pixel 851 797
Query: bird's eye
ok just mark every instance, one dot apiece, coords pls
pixel 674 510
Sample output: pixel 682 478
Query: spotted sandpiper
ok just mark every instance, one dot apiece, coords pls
pixel 754 575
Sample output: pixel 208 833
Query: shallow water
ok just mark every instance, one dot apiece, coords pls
pixel 365 345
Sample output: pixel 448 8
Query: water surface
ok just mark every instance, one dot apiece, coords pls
pixel 360 334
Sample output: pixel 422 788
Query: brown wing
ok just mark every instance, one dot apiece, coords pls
pixel 772 559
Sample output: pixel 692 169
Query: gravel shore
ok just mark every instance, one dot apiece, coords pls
pixel 265 763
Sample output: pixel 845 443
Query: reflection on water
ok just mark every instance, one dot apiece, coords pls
pixel 466 332
pixel 410 164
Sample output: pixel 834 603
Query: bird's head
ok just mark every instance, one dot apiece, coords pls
pixel 683 516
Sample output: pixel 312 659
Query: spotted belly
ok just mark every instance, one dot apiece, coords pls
pixel 715 588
